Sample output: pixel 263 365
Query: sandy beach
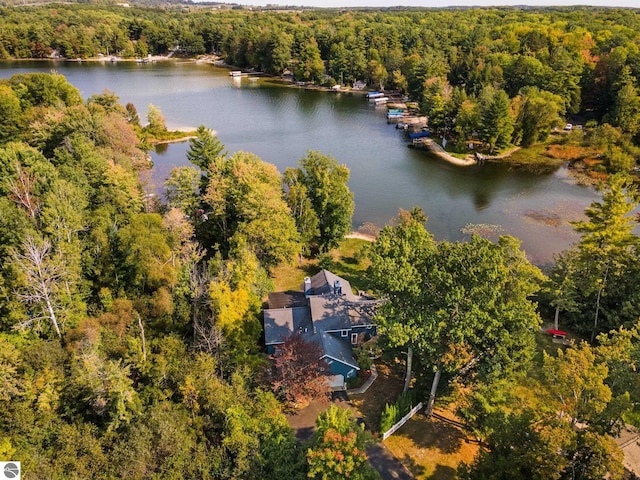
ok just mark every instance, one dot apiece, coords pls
pixel 361 236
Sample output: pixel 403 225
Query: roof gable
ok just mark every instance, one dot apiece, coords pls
pixel 324 282
pixel 337 350
pixel 279 323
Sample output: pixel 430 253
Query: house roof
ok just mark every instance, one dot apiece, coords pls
pixel 329 313
pixel 323 282
pixel 362 313
pixel 279 323
pixel 288 299
pixel 334 348
pixel 330 307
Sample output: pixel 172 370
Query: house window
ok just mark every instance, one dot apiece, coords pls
pixel 354 338
pixel 345 333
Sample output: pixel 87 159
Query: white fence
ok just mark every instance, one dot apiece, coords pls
pixel 401 422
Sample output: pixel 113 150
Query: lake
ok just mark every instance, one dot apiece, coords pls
pixel 280 124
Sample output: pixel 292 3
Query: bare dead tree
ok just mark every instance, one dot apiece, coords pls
pixel 21 189
pixel 206 336
pixel 43 277
pixel 144 341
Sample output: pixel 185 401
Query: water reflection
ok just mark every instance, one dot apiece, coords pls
pixel 161 148
pixel 281 124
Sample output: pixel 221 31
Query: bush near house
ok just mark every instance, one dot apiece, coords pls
pixel 393 413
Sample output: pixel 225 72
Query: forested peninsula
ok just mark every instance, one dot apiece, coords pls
pixel 502 77
pixel 131 329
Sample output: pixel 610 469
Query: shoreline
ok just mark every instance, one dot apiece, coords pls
pixel 173 140
pixel 215 61
pixel 361 236
pixel 440 152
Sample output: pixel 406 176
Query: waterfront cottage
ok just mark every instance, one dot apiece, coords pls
pixel 326 312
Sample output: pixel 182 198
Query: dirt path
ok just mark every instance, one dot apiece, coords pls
pixel 380 458
pixel 386 464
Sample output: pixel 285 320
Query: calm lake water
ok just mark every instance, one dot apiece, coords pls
pixel 280 124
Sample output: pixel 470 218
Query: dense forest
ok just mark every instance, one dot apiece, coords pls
pixel 130 329
pixel 509 75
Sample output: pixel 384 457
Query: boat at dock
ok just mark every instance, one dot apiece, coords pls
pixel 380 100
pixel 374 95
pixel 417 135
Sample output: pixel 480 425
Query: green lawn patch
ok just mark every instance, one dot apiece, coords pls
pixel 346 261
pixel 534 159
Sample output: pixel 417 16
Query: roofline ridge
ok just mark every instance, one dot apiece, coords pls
pixel 357 367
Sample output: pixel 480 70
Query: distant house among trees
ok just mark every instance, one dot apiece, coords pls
pixel 327 313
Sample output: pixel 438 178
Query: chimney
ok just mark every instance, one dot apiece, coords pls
pixel 307 287
pixel 337 288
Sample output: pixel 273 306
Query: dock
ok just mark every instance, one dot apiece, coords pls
pixel 427 143
pixel 406 116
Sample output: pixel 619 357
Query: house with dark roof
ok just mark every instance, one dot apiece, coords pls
pixel 325 312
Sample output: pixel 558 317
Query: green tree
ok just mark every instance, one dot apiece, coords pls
pixel 205 149
pixel 301 208
pixel 399 258
pixel 246 202
pixel 157 124
pixel 10 114
pixel 145 253
pixel 465 306
pixel 537 113
pixel 577 383
pixel 338 448
pixel 436 102
pixel 496 124
pixel 182 187
pixel 606 251
pixel 377 73
pixel 107 100
pixel 595 457
pixel 626 108
pixel 309 66
pixel 332 201
pixel 280 46
pixel 44 90
pixel 521 448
